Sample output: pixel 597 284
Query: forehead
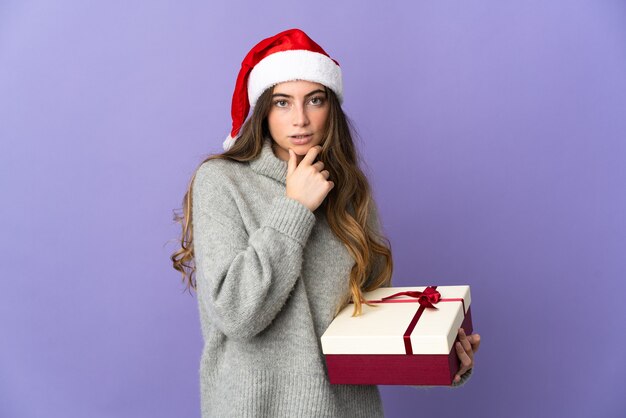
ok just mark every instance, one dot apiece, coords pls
pixel 297 87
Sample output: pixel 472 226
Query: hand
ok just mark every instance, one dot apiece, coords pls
pixel 306 182
pixel 465 348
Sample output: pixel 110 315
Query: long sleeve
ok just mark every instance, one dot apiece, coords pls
pixel 244 280
pixel 268 272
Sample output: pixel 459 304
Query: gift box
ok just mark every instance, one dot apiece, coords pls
pixel 407 338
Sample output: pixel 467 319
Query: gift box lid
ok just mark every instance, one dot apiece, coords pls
pixel 380 329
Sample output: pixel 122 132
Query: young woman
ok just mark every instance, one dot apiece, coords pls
pixel 282 233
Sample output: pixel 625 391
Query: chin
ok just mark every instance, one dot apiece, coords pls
pixel 302 149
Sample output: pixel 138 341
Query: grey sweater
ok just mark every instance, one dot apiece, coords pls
pixel 270 274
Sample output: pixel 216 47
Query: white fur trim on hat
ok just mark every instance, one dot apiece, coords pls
pixel 228 142
pixel 291 65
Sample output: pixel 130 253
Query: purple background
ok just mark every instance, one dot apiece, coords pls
pixel 494 132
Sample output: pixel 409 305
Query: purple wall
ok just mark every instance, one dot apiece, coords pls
pixel 495 133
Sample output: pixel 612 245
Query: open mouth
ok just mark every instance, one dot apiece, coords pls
pixel 301 139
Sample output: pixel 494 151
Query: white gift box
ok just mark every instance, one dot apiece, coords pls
pixel 400 341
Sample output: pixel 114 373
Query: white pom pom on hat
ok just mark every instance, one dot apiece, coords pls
pixel 286 56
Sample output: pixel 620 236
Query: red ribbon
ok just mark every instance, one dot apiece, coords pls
pixel 426 299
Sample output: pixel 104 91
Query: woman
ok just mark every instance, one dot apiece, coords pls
pixel 282 232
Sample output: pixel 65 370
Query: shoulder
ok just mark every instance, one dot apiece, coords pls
pixel 216 192
pixel 220 173
pixel 218 168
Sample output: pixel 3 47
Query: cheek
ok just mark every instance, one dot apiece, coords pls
pixel 275 123
pixel 271 122
pixel 321 117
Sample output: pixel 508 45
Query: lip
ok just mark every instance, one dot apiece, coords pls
pixel 301 141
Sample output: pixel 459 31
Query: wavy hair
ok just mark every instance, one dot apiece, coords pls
pixel 347 205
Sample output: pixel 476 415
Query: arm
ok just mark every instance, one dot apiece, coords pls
pixel 244 281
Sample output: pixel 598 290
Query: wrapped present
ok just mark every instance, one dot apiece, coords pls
pixel 407 338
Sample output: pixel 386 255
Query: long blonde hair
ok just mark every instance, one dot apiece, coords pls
pixel 347 205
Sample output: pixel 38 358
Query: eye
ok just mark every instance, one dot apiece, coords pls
pixel 317 100
pixel 280 103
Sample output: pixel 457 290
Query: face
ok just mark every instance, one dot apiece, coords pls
pixel 297 117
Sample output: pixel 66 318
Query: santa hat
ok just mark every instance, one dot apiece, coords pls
pixel 286 56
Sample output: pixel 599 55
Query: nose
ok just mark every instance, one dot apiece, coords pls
pixel 300 117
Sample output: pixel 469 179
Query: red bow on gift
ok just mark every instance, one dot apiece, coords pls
pixel 425 298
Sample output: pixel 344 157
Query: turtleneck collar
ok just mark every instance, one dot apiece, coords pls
pixel 269 164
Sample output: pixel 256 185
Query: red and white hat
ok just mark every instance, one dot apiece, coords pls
pixel 286 56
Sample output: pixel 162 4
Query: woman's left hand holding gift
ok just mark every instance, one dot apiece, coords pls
pixel 465 348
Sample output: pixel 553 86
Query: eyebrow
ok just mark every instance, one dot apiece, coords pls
pixel 291 97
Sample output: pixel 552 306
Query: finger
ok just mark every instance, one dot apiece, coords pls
pixel 465 341
pixel 475 341
pixel 319 165
pixel 292 163
pixel 325 173
pixel 457 378
pixel 311 154
pixel 466 362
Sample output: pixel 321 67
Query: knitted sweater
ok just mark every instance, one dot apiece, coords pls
pixel 270 274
